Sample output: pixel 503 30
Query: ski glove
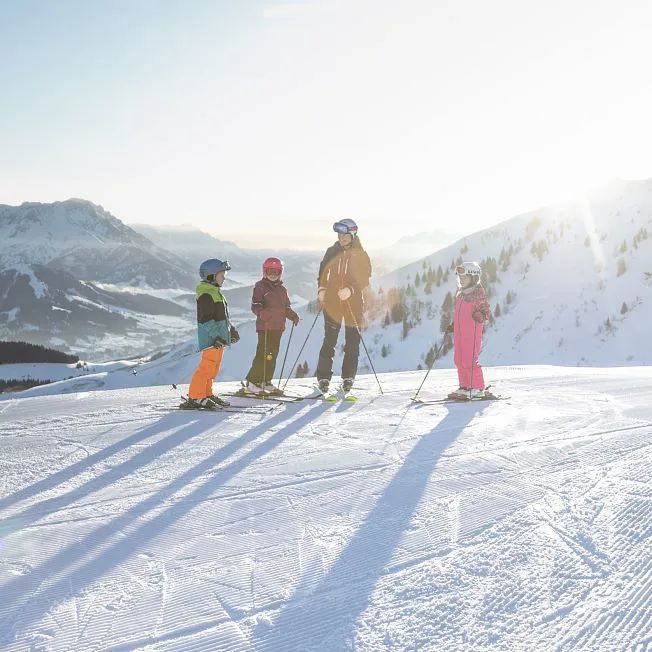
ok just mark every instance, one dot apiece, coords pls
pixel 293 317
pixel 219 343
pixel 478 316
pixel 235 336
pixel 321 295
pixel 344 294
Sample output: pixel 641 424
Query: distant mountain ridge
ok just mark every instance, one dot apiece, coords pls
pixel 83 239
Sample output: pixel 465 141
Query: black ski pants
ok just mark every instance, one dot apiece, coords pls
pixel 264 362
pixel 332 328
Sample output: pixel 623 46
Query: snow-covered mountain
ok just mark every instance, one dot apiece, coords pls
pixel 568 284
pixel 51 307
pixel 75 276
pixel 378 526
pixel 88 242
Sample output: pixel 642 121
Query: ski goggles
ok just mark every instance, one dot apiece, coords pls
pixel 460 270
pixel 273 271
pixel 224 267
pixel 340 227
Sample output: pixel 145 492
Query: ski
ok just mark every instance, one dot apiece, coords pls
pixel 334 397
pixel 440 401
pixel 222 408
pixel 232 409
pixel 279 398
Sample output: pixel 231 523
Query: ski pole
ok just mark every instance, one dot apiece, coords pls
pixel 285 357
pixel 432 364
pixel 475 330
pixel 364 345
pixel 303 346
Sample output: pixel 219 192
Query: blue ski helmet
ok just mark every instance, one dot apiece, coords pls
pixel 213 266
pixel 346 226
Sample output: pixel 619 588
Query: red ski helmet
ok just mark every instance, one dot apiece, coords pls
pixel 273 263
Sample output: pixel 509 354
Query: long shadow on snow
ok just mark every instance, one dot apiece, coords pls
pixel 72 471
pixel 323 617
pixel 128 467
pixel 25 601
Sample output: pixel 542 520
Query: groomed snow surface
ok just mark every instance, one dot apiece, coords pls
pixel 516 525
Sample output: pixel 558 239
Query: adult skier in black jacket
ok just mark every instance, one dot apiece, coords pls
pixel 343 274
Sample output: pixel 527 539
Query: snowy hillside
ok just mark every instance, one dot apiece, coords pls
pixel 516 525
pixel 569 284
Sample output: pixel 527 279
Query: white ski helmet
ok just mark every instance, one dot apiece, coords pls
pixel 470 269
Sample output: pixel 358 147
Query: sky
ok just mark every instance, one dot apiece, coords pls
pixel 263 122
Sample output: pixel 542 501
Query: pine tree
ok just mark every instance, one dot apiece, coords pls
pixel 440 274
pixel 444 322
pixel 406 328
pixel 623 308
pixel 398 311
pixel 497 311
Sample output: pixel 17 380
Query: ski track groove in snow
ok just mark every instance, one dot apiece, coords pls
pixel 523 524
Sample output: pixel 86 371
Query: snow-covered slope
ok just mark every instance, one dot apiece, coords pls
pixel 518 525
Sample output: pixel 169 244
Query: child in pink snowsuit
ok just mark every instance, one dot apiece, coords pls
pixel 471 312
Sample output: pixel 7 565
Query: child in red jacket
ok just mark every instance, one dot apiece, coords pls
pixel 471 312
pixel 271 305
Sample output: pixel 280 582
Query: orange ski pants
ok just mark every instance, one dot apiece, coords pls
pixel 201 384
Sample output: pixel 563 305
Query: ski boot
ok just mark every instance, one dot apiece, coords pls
pixel 190 404
pixel 252 388
pixel 272 390
pixel 214 403
pixel 324 384
pixel 476 394
pixel 347 386
pixel 460 394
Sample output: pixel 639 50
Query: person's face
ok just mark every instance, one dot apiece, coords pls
pixel 465 280
pixel 219 278
pixel 345 239
pixel 272 274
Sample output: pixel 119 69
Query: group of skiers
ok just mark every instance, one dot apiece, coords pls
pixel 344 274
